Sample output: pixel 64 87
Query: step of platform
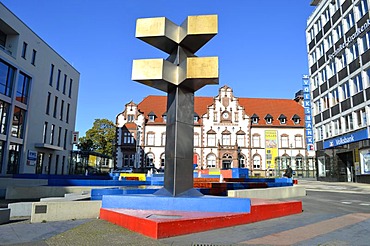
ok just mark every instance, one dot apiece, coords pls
pixel 162 223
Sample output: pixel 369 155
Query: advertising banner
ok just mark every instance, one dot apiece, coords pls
pixel 271 148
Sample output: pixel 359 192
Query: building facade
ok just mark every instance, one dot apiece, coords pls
pixel 263 135
pixel 38 100
pixel 338 41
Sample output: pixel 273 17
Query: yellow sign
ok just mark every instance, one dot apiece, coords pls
pixel 271 148
pixel 92 160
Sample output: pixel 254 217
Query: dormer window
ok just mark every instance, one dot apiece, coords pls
pixel 164 117
pixel 255 119
pixel 282 119
pixel 196 117
pixel 268 119
pixel 296 119
pixel 151 116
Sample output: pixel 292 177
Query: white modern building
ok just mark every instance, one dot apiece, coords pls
pixel 338 42
pixel 263 135
pixel 38 99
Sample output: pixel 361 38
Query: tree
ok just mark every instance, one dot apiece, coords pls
pixel 99 138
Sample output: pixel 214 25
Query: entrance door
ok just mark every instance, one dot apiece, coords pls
pixel 227 161
pixel 347 166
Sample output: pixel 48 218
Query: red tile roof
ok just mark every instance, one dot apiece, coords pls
pixel 258 106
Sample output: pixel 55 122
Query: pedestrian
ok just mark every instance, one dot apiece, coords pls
pixel 288 172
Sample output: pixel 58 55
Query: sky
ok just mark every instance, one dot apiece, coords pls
pixel 261 46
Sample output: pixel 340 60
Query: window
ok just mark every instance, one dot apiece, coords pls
pixel 226 139
pixel 321 49
pixel 6 79
pixel 4 112
pixel 353 52
pixel 55 106
pixel 64 84
pixel 240 138
pixel 67 113
pixel 211 161
pixel 256 162
pixel 337 126
pixel 256 141
pixel 150 139
pixel 332 67
pixel 128 138
pixel 211 139
pixel 339 31
pixel 361 117
pixel 357 83
pixel 51 75
pixel 365 42
pixel 298 161
pixel 65 139
pixel 58 79
pixel 24 50
pixel 315 81
pixel 70 88
pixel 323 75
pixel 348 122
pixel 319 133
pixel 33 61
pixel 254 120
pixel 149 160
pixel 318 106
pixel 61 110
pixel 163 139
pixel 350 20
pixel 284 141
pixel 319 25
pixel 45 132
pixel 312 33
pixel 196 139
pixel 329 41
pixel 313 57
pixel 164 117
pixel 298 141
pixel 362 8
pixel 2 42
pixel 163 161
pixel 18 122
pixel 130 118
pixel 343 61
pixel 23 88
pixel 326 103
pixel 327 14
pixel 52 132
pixel 335 96
pixel 328 131
pixel 59 135
pixel 48 103
pixel 345 90
pixel 13 158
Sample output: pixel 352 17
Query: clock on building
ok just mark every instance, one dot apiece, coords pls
pixel 225 115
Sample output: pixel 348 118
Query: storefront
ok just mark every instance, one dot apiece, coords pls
pixel 345 158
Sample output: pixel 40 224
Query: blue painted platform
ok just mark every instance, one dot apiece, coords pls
pixel 199 204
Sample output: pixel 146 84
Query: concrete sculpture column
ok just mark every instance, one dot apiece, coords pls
pixel 180 75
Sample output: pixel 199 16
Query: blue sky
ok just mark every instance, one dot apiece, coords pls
pixel 260 44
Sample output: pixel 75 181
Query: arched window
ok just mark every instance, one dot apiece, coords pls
pixel 256 162
pixel 211 160
pixel 149 160
pixel 163 160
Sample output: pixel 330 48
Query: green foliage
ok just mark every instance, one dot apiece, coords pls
pixel 99 138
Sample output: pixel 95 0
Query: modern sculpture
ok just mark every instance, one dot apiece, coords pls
pixel 180 75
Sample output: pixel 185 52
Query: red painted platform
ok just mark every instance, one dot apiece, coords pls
pixel 161 224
